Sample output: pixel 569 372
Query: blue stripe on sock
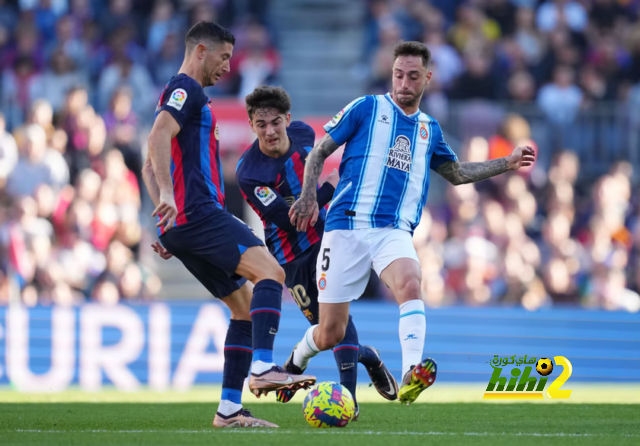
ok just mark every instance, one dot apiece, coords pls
pixel 263 355
pixel 347 345
pixel 412 312
pixel 233 395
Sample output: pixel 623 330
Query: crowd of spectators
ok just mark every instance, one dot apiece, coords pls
pixel 78 85
pixel 562 55
pixel 517 240
pixel 79 80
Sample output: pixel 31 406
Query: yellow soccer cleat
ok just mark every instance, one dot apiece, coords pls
pixel 416 380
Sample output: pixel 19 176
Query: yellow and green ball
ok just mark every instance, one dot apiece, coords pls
pixel 544 366
pixel 328 404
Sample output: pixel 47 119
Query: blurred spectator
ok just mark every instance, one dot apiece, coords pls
pixel 256 62
pixel 163 22
pixel 8 152
pixel 561 99
pixel 125 72
pixel 121 125
pixel 37 165
pixel 556 13
pixel 476 82
pixel 56 81
pixel 473 26
pixel 166 63
pixel 444 57
pixel 67 41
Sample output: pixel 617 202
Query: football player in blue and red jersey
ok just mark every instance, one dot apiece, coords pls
pixel 270 177
pixel 184 178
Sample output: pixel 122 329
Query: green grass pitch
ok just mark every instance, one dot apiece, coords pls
pixel 387 424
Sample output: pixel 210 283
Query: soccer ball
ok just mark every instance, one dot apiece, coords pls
pixel 328 404
pixel 544 366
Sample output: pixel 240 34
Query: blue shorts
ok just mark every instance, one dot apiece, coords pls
pixel 301 281
pixel 210 248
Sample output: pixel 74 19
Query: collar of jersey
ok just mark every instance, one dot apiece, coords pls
pixel 413 116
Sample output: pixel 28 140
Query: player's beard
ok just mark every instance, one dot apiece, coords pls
pixel 208 77
pixel 415 99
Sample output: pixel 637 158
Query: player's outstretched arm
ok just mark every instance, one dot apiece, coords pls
pixel 164 130
pixel 304 212
pixel 462 173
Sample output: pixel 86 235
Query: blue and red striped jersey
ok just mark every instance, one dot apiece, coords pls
pixel 195 154
pixel 272 185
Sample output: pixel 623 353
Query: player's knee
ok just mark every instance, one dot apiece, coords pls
pixel 277 274
pixel 410 289
pixel 271 270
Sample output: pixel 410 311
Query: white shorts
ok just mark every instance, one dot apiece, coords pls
pixel 347 256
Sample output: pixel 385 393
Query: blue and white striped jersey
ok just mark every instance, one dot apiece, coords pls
pixel 384 172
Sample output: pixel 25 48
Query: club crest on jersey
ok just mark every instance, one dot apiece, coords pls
pixel 178 98
pixel 265 195
pixel 399 156
pixel 322 283
pixel 424 134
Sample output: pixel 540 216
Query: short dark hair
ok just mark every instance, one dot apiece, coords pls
pixel 270 98
pixel 413 49
pixel 207 31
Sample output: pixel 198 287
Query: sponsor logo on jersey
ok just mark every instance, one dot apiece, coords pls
pixel 384 119
pixel 217 132
pixel 265 195
pixel 424 134
pixel 178 98
pixel 399 156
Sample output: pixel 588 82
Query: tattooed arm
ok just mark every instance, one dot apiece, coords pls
pixel 305 210
pixel 462 173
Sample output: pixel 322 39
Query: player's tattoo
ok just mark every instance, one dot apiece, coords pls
pixel 463 173
pixel 313 168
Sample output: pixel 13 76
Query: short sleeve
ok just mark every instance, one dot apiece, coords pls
pixel 181 99
pixel 345 124
pixel 442 153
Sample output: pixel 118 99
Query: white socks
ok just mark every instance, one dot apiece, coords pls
pixel 227 407
pixel 413 327
pixel 258 367
pixel 306 349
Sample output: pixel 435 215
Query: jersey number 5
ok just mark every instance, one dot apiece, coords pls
pixel 325 259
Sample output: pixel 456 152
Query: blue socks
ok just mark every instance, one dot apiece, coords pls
pixel 265 316
pixel 346 354
pixel 237 362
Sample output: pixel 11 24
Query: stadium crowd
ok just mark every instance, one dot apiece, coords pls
pixel 78 86
pixel 80 78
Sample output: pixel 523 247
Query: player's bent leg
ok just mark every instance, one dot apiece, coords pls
pixel 403 277
pixel 327 334
pixel 258 266
pixel 334 319
pixel 239 302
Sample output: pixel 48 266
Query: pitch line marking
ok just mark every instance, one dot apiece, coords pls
pixel 315 432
